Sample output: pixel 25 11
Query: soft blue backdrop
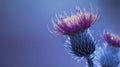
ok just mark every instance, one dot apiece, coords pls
pixel 25 40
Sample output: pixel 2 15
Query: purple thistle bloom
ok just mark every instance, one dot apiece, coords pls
pixel 108 55
pixel 112 39
pixel 75 23
pixel 81 42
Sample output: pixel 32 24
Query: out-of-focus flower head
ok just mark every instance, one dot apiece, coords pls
pixel 75 23
pixel 112 39
pixel 107 56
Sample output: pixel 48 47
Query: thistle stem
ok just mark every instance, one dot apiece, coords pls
pixel 89 61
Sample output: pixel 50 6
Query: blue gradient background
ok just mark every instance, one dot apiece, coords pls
pixel 25 40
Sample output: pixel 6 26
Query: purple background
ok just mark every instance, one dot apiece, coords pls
pixel 25 40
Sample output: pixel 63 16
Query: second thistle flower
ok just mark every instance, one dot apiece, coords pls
pixel 108 55
pixel 112 39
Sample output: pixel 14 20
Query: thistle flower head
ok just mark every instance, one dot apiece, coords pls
pixel 112 39
pixel 75 23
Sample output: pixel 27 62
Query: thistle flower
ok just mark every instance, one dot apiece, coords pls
pixel 112 39
pixel 82 43
pixel 108 55
pixel 75 23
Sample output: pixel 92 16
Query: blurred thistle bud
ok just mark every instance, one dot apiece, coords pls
pixel 112 39
pixel 108 55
